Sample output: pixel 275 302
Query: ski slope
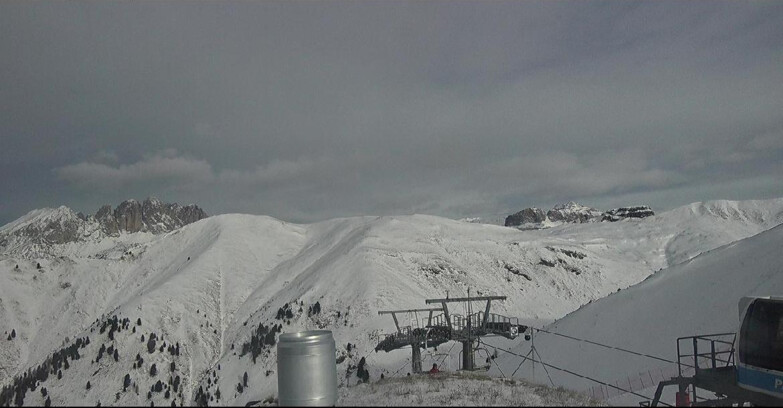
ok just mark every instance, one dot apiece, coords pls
pixel 699 296
pixel 209 285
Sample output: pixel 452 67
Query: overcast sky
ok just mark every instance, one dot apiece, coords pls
pixel 311 110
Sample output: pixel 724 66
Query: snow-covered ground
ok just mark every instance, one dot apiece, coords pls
pixel 210 285
pixel 458 389
pixel 697 297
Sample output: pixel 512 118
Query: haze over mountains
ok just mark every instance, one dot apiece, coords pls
pixel 223 287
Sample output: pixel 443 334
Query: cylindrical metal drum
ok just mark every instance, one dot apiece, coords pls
pixel 306 369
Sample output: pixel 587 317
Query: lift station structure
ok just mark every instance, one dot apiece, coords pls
pixel 448 326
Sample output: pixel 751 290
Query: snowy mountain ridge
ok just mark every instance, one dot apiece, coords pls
pixel 214 285
pixel 40 232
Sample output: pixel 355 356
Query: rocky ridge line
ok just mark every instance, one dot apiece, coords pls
pixel 573 213
pixel 36 232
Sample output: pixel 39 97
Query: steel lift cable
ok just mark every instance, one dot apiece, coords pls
pixel 611 347
pixel 580 375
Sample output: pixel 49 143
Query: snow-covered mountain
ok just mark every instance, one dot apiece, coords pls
pixel 696 297
pixel 217 292
pixel 42 232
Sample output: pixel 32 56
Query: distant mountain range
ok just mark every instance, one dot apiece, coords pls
pixel 535 218
pixel 35 232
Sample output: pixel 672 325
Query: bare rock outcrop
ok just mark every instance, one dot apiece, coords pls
pixel 617 214
pixel 530 215
pixel 572 213
pixel 152 215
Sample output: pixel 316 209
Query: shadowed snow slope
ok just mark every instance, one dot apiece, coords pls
pixel 699 296
pixel 215 285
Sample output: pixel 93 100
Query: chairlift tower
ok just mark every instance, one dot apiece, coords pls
pixel 447 326
pixel 415 337
pixel 469 328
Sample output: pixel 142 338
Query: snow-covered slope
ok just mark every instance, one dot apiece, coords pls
pixel 211 285
pixel 675 236
pixel 699 296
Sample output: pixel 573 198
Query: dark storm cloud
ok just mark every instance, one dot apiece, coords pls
pixel 310 110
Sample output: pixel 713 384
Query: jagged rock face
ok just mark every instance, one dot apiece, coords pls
pixel 617 214
pixel 531 215
pixel 105 218
pixel 39 229
pixel 128 216
pixel 191 213
pixel 150 216
pixel 573 213
pixel 159 217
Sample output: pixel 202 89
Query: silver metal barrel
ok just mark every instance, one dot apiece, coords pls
pixel 306 369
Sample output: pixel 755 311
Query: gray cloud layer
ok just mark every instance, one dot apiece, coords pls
pixel 310 110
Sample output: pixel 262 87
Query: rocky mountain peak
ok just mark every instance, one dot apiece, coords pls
pixel 572 212
pixel 151 215
pixel 36 231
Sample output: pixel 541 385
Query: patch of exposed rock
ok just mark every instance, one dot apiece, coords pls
pixel 149 216
pixel 572 213
pixel 152 215
pixel 531 215
pixel 640 211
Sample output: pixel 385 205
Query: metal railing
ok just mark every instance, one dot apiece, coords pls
pixel 495 323
pixel 708 351
pixel 439 320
